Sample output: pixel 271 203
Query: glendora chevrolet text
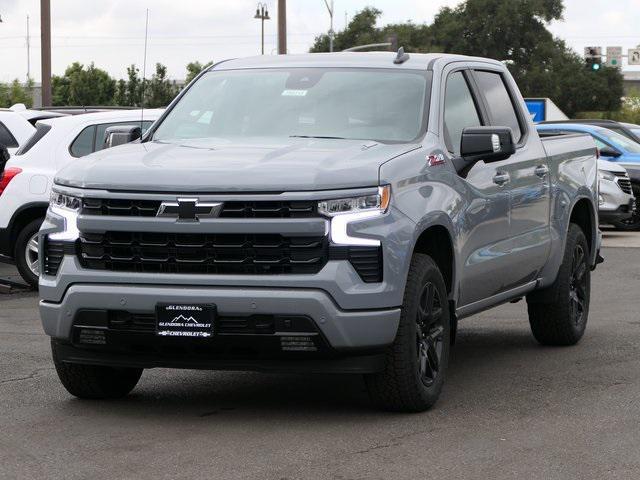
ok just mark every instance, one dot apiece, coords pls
pixel 319 213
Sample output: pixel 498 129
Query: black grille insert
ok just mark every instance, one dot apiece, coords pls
pixel 367 261
pixel 232 209
pixel 252 254
pixel 624 182
pixel 54 252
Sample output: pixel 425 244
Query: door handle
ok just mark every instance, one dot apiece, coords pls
pixel 541 171
pixel 501 178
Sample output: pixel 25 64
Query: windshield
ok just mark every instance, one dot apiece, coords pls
pixel 619 141
pixel 383 105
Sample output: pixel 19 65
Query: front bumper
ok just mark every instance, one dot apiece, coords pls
pixel 343 330
pixel 614 204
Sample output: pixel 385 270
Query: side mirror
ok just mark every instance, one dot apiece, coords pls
pixel 490 144
pixel 609 152
pixel 121 134
pixel 4 156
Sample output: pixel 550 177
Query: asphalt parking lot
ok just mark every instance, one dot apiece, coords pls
pixel 510 408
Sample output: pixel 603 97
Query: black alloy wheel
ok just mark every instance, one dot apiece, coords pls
pixel 429 334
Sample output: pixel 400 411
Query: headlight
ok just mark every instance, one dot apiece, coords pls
pixel 344 211
pixel 604 175
pixel 66 207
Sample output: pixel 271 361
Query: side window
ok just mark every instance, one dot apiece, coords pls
pixel 460 111
pixel 101 130
pixel 6 138
pixel 499 102
pixel 83 144
pixel 600 144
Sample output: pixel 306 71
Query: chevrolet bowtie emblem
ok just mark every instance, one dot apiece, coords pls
pixel 189 209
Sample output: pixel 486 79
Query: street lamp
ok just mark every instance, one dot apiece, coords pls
pixel 262 14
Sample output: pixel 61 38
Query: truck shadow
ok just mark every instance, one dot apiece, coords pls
pixel 484 362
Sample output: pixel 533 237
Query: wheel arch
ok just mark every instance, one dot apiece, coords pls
pixel 583 214
pixel 23 216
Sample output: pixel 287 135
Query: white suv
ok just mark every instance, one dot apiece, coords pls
pixel 25 184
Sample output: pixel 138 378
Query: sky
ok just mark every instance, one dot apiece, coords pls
pixel 111 32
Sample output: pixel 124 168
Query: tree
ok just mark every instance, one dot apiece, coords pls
pixel 193 69
pixel 543 66
pixel 16 92
pixel 514 32
pixel 134 87
pixel 159 91
pixel 83 86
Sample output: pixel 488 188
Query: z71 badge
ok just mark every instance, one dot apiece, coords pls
pixel 434 160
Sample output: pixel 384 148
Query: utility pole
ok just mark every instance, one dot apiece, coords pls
pixel 45 42
pixel 330 8
pixel 262 14
pixel 282 27
pixel 28 52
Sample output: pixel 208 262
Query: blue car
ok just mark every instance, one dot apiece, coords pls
pixel 613 147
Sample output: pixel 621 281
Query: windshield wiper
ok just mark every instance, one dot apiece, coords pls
pixel 317 136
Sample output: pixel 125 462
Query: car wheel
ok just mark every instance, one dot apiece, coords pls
pixel 416 362
pixel 94 381
pixel 633 222
pixel 558 315
pixel 26 253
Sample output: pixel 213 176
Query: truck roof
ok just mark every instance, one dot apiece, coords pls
pixel 416 61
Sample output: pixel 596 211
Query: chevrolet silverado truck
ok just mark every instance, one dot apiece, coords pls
pixel 319 213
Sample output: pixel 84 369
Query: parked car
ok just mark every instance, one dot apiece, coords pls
pixel 635 129
pixel 613 147
pixel 625 129
pixel 616 200
pixel 319 213
pixel 14 130
pixel 25 182
pixel 17 125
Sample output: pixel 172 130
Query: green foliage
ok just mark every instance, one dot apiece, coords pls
pixel 159 91
pixel 513 31
pixel 93 86
pixel 83 86
pixel 193 69
pixel 16 92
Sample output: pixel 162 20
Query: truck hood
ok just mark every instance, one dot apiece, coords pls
pixel 255 165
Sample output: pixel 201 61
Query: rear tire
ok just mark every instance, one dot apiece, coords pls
pixel 558 315
pixel 417 361
pixel 26 254
pixel 94 381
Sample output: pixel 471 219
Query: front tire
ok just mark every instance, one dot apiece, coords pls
pixel 417 361
pixel 26 252
pixel 558 315
pixel 94 381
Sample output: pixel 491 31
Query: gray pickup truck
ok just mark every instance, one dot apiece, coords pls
pixel 319 213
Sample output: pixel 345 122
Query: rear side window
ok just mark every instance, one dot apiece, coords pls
pixel 91 139
pixel 41 131
pixel 6 138
pixel 101 130
pixel 83 144
pixel 499 102
pixel 460 111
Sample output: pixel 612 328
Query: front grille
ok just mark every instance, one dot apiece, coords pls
pixel 54 252
pixel 253 254
pixel 232 209
pixel 624 182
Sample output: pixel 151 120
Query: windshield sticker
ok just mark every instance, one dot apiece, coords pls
pixel 294 93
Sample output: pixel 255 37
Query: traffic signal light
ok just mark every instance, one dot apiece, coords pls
pixel 593 57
